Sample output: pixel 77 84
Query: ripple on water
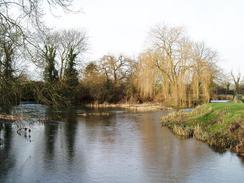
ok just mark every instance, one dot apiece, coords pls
pixel 123 147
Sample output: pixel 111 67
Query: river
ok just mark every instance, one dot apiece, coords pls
pixel 124 147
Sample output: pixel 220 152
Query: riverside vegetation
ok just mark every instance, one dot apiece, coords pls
pixel 173 70
pixel 221 125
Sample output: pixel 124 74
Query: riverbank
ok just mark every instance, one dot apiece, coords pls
pixel 133 107
pixel 10 118
pixel 221 125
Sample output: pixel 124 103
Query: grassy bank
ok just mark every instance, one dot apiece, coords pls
pixel 221 125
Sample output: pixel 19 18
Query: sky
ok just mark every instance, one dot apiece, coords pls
pixel 123 26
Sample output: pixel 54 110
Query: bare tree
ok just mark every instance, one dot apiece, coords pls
pixel 31 10
pixel 70 40
pixel 9 69
pixel 176 69
pixel 146 74
pixel 115 69
pixel 224 80
pixel 237 83
pixel 204 71
pixel 173 52
pixel 10 49
pixel 66 43
pixel 26 15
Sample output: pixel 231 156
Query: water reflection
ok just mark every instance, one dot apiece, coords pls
pixel 122 147
pixel 7 159
pixel 50 132
pixel 70 131
pixel 179 157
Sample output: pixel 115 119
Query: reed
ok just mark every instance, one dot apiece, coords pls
pixel 132 107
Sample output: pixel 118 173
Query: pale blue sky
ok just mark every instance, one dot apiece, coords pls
pixel 122 26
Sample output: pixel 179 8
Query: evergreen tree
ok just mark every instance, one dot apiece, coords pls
pixel 70 72
pixel 50 72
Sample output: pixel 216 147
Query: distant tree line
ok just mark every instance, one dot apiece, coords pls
pixel 174 70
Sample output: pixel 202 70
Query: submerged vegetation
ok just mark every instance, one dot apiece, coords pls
pixel 221 125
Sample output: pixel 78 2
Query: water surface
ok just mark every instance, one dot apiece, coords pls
pixel 124 147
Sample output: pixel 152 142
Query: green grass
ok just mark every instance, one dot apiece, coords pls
pixel 217 117
pixel 219 124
